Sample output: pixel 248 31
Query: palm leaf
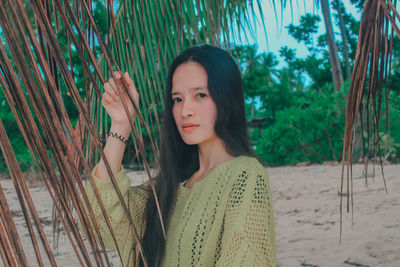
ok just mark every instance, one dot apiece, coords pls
pixel 36 69
pixel 368 88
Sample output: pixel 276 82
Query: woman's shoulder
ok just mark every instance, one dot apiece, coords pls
pixel 249 184
pixel 248 164
pixel 246 170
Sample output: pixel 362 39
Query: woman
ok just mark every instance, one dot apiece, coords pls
pixel 213 194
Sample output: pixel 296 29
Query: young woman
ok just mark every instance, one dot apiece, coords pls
pixel 213 194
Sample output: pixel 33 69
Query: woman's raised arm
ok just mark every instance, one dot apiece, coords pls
pixel 114 149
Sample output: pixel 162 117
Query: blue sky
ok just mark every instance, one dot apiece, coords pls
pixel 277 33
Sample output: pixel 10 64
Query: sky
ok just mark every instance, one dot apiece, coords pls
pixel 278 35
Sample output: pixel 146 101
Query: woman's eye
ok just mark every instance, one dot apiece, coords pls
pixel 176 100
pixel 201 95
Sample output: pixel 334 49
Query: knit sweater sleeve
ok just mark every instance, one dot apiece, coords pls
pixel 248 237
pixel 136 199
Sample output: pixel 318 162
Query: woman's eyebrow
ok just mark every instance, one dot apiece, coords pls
pixel 199 88
pixel 191 89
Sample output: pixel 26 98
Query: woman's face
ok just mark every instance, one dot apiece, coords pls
pixel 193 108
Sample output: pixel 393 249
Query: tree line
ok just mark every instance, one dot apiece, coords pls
pixel 301 105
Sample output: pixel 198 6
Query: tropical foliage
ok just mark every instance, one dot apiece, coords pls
pixel 268 89
pixel 300 96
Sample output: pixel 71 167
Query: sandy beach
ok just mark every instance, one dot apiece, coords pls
pixel 306 205
pixel 307 217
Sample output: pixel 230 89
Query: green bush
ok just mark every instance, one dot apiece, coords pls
pixel 21 151
pixel 311 129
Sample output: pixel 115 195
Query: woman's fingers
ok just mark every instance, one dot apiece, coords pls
pixel 130 83
pixel 117 77
pixel 114 87
pixel 117 80
pixel 132 88
pixel 110 89
pixel 111 99
pixel 107 99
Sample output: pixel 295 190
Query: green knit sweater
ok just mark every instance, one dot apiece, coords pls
pixel 226 219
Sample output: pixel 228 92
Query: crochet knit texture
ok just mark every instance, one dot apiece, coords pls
pixel 225 219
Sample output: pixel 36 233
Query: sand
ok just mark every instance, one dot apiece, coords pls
pixel 306 204
pixel 306 207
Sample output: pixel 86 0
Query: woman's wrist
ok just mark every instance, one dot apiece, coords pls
pixel 118 132
pixel 122 129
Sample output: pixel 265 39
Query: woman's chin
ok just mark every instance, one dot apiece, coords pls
pixel 190 142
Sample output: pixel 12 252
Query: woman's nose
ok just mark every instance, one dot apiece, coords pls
pixel 187 109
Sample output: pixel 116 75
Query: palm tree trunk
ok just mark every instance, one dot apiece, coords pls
pixel 333 51
pixel 344 39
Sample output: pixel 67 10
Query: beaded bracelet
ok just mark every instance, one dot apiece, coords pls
pixel 115 135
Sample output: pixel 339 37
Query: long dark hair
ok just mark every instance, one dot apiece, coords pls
pixel 178 161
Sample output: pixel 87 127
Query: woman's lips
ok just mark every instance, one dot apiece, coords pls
pixel 189 127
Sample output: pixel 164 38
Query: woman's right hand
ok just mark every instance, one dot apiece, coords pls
pixel 112 102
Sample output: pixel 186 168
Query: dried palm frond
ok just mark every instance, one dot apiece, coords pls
pixel 369 87
pixel 37 71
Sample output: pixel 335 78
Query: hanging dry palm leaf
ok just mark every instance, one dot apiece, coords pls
pixel 37 71
pixel 368 89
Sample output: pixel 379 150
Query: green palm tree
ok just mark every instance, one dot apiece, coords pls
pixel 337 74
pixel 269 63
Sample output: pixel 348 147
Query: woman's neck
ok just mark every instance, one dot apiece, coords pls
pixel 211 154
